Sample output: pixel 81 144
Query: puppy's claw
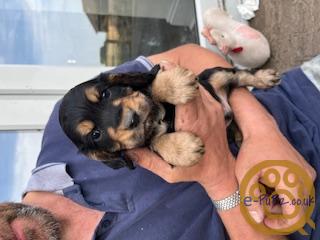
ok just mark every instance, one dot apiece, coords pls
pixel 201 150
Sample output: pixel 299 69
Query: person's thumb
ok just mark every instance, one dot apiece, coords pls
pixel 149 160
pixel 248 112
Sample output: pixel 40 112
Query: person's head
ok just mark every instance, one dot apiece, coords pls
pixel 24 222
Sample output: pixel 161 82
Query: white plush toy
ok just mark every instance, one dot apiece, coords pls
pixel 245 46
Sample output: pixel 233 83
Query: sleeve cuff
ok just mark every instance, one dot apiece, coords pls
pixel 51 177
pixel 145 62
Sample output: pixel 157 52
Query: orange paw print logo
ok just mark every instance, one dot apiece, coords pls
pixel 285 193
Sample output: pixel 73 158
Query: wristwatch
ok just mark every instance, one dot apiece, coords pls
pixel 229 202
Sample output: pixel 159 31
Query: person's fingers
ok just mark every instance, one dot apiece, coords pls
pixel 186 115
pixel 147 159
pixel 273 208
pixel 243 104
pixel 151 161
pixel 284 221
pixel 292 214
pixel 208 100
pixel 305 165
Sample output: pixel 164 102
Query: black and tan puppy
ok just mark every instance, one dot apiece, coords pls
pixel 112 113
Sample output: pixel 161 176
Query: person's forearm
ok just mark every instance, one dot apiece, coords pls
pixel 191 56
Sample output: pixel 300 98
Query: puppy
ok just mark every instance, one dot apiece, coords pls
pixel 112 113
pixel 245 46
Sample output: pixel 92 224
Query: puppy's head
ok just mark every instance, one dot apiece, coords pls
pixel 110 114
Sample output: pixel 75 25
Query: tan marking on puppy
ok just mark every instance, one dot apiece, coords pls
pixel 179 148
pixel 92 94
pixel 264 78
pixel 112 77
pixel 98 155
pixel 244 78
pixel 135 101
pixel 116 102
pixel 125 138
pixel 85 127
pixel 220 79
pixel 176 86
pixel 116 147
pixel 94 155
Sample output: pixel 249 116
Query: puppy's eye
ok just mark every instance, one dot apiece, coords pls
pixel 106 94
pixel 134 121
pixel 96 134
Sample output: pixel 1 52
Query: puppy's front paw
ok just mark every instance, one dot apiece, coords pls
pixel 176 86
pixel 179 148
pixel 266 78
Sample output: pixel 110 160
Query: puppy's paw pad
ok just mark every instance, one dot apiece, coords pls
pixel 267 78
pixel 188 149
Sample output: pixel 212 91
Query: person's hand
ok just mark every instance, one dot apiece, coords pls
pixel 263 141
pixel 215 172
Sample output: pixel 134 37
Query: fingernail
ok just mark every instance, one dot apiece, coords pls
pixel 256 216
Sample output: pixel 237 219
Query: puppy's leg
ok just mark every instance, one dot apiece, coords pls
pixel 263 79
pixel 217 81
pixel 179 148
pixel 176 86
pixel 221 79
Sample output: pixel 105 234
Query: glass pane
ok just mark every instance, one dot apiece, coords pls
pixel 91 32
pixel 18 155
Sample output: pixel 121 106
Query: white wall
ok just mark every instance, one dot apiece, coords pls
pixel 29 92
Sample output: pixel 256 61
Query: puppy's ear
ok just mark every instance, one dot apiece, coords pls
pixel 132 79
pixel 114 160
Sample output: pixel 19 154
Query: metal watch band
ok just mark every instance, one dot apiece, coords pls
pixel 228 202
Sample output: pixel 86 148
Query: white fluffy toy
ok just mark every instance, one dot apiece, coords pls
pixel 245 46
